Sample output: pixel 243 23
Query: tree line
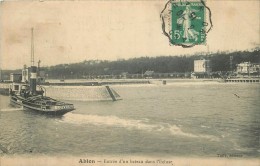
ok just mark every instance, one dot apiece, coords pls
pixel 220 61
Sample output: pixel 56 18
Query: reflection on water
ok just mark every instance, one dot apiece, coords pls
pixel 181 119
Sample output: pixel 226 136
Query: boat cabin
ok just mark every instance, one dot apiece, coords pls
pixel 23 89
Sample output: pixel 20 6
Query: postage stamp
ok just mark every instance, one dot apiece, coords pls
pixel 185 23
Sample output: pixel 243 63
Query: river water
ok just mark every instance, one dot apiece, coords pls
pixel 181 119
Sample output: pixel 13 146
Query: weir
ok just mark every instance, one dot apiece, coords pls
pixel 82 93
pixel 111 93
pixel 243 80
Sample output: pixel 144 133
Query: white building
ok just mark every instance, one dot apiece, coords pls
pixel 202 66
pixel 247 68
pixel 15 77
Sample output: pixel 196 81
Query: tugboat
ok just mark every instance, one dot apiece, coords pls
pixel 29 97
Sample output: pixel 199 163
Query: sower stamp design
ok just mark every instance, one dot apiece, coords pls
pixel 185 22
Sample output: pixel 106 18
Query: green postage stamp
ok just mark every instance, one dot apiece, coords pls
pixel 186 23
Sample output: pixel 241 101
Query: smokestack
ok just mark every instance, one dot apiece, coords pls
pixel 33 79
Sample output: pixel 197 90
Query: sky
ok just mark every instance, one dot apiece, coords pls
pixel 74 31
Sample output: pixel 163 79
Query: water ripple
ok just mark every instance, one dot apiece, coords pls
pixel 115 121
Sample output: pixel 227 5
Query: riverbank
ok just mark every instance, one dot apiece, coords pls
pixel 100 82
pixel 95 82
pixel 4 86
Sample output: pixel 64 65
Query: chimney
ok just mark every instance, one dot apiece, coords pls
pixel 33 79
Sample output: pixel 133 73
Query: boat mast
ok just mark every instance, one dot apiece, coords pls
pixel 33 68
pixel 32 48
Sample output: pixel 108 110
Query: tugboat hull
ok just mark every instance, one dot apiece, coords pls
pixel 56 113
pixel 42 105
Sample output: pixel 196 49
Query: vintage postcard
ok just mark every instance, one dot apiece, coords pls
pixel 131 82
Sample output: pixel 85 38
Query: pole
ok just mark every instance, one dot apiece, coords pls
pixel 231 64
pixel 33 68
pixel 32 48
pixel 249 69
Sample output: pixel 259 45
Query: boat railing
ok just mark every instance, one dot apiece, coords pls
pixel 33 97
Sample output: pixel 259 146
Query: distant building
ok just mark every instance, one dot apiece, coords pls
pixel 14 77
pixel 202 66
pixel 202 69
pixel 124 75
pixel 247 68
pixel 148 74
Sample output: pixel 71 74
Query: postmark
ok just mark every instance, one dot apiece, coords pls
pixel 186 23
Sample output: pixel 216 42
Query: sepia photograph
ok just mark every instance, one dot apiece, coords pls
pixel 129 83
